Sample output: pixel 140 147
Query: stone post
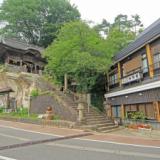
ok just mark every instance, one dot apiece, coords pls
pixel 80 112
pixel 65 82
pixel 108 110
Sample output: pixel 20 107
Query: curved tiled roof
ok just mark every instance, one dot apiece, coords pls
pixel 17 44
pixel 148 34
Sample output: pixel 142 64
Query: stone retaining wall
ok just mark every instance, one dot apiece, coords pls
pixel 39 105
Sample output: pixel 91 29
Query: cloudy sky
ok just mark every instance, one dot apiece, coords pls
pixel 96 10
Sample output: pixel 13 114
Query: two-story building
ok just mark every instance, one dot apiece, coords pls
pixel 134 78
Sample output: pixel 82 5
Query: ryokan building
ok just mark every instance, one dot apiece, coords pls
pixel 134 78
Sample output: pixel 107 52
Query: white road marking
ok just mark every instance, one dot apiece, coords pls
pixel 118 152
pixel 85 139
pixel 6 158
pixel 14 137
pixel 119 143
pixel 20 129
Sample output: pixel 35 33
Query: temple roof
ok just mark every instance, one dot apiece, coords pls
pixel 17 44
pixel 5 90
pixel 145 37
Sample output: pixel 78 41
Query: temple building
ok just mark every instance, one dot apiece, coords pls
pixel 134 77
pixel 19 56
pixel 21 66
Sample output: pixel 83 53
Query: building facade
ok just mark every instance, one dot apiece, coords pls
pixel 134 78
pixel 21 57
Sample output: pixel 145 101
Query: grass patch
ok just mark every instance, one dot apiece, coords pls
pixel 20 113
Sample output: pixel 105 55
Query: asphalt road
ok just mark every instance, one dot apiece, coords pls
pixel 69 149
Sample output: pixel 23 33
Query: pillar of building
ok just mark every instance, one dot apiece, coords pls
pixel 7 101
pixel 156 105
pixel 122 112
pixel 150 61
pixel 119 73
pixel 108 82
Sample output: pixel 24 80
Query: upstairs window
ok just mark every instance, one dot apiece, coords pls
pixel 144 64
pixel 113 79
pixel 157 60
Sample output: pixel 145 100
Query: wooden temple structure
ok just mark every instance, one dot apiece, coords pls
pixel 20 56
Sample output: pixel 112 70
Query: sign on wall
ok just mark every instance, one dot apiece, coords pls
pixel 132 78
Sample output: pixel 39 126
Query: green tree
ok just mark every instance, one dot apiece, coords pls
pixel 117 40
pixel 36 21
pixel 119 33
pixel 136 24
pixel 80 52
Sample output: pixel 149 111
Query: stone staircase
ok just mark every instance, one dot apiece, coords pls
pixel 93 119
pixel 98 121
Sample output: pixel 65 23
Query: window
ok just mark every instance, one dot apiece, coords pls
pixel 144 63
pixel 113 79
pixel 157 60
pixel 116 111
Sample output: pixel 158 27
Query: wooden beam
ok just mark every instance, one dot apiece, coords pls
pixel 157 110
pixel 122 112
pixel 119 73
pixel 150 60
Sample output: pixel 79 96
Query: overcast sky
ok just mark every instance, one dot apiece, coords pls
pixel 96 10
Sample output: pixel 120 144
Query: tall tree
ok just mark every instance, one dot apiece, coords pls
pixel 136 24
pixel 119 33
pixel 80 52
pixel 37 21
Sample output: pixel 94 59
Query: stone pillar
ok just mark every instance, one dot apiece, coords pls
pixel 88 100
pixel 150 61
pixel 65 82
pixel 108 109
pixel 122 112
pixel 157 110
pixel 80 112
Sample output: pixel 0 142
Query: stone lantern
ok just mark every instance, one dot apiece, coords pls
pixel 49 113
pixel 80 112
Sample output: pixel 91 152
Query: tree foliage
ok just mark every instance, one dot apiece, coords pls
pixel 121 32
pixel 37 21
pixel 80 52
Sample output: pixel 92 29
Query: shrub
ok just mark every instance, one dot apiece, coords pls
pixel 137 115
pixel 1 109
pixel 34 93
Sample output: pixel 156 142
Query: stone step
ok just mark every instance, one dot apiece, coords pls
pixel 90 119
pixel 93 114
pixel 95 117
pixel 102 125
pixel 110 130
pixel 100 129
pixel 97 122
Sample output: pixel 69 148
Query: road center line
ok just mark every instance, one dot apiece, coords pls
pixel 14 137
pixel 84 139
pixel 6 158
pixel 118 152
